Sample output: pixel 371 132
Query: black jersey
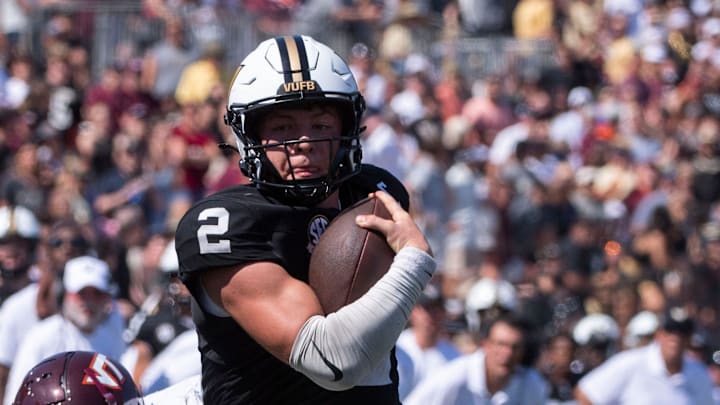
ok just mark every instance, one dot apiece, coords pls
pixel 241 225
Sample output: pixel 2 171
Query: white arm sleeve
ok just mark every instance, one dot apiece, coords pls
pixel 337 350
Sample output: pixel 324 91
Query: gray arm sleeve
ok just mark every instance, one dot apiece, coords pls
pixel 337 350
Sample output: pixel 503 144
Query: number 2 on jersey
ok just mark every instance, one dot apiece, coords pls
pixel 222 217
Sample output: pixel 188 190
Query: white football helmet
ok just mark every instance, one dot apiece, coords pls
pixel 596 328
pixel 19 232
pixel 18 221
pixel 488 298
pixel 294 69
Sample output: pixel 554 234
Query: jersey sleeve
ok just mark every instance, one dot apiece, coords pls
pixel 372 178
pixel 222 232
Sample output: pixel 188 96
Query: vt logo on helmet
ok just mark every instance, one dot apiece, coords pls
pixel 78 377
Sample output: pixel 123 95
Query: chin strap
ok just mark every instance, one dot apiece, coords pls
pixel 227 146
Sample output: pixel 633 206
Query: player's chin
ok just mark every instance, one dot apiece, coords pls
pixel 306 174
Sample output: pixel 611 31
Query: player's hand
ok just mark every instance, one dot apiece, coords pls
pixel 400 231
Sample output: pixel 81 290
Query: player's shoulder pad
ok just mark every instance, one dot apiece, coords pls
pixel 372 178
pixel 243 202
pixel 235 199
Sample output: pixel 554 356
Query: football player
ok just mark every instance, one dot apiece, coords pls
pixel 295 109
pixel 78 377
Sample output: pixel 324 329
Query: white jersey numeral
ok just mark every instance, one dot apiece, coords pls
pixel 223 221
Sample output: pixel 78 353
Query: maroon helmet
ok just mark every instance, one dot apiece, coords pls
pixel 78 378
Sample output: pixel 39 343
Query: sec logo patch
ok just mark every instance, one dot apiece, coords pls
pixel 316 227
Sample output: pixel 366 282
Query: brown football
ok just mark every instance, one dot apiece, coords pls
pixel 349 259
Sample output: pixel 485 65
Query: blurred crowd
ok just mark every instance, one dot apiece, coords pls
pixel 578 188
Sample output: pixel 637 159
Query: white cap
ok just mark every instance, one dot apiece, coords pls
pixel 417 63
pixel 624 7
pixel 408 106
pixel 597 326
pixel 579 96
pixel 86 271
pixel 701 51
pixel 678 18
pixel 169 261
pixel 711 27
pixel 654 53
pixel 487 292
pixel 19 221
pixel 455 128
pixel 701 7
pixel 644 323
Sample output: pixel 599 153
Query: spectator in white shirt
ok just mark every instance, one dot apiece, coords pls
pixel 383 146
pixel 491 375
pixel 180 359
pixel 22 310
pixel 424 341
pixel 659 373
pixel 86 322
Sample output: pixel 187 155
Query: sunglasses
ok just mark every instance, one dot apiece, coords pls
pixel 76 242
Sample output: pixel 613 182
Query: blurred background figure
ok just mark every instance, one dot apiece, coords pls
pixel 170 330
pixel 21 184
pixel 661 372
pixel 486 300
pixel 163 64
pixel 596 336
pixel 382 139
pixel 425 340
pixel 121 185
pixel 641 329
pixel 558 365
pixel 38 300
pixel 492 374
pixel 164 314
pixel 88 320
pixel 19 233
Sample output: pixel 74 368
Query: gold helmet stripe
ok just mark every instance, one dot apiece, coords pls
pixel 294 58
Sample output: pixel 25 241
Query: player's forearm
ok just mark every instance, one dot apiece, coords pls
pixel 336 351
